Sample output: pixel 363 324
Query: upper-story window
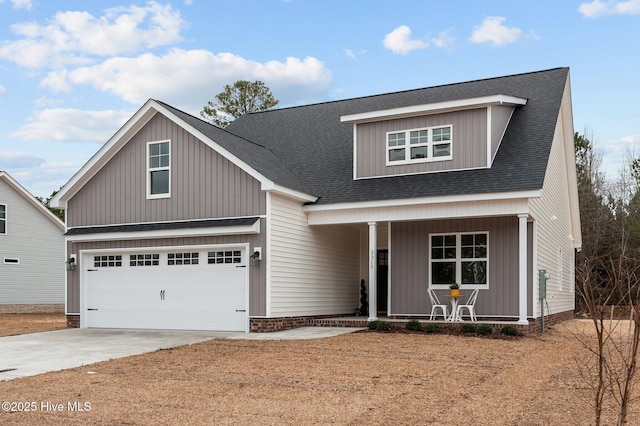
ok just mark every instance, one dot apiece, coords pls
pixel 3 219
pixel 158 169
pixel 420 145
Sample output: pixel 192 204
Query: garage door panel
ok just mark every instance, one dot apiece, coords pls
pixel 172 295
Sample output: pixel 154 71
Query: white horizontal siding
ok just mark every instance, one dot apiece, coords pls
pixel 39 244
pixel 314 270
pixel 554 230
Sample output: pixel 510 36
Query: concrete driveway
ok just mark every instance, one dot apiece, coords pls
pixel 37 353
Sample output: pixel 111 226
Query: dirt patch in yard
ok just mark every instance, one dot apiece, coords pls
pixel 11 324
pixel 360 378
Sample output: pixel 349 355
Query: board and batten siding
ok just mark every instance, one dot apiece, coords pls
pixel 257 276
pixel 39 245
pixel 204 184
pixel 469 143
pixel 554 229
pixel 314 270
pixel 500 116
pixel 409 265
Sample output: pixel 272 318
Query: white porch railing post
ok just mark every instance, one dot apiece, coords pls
pixel 522 268
pixel 373 282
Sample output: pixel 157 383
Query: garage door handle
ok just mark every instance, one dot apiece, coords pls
pixel 241 310
pixel 92 270
pixel 161 294
pixel 92 309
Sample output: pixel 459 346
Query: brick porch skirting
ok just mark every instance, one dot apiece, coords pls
pixel 32 309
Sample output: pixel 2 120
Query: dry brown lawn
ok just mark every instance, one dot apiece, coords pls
pixel 361 378
pixel 11 324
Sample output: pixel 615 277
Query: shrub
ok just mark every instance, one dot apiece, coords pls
pixel 469 328
pixel 509 330
pixel 380 325
pixel 485 329
pixel 432 327
pixel 414 325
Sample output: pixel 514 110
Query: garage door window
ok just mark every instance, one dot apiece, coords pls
pixel 225 257
pixel 144 259
pixel 182 258
pixel 107 261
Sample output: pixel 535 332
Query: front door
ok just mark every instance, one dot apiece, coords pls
pixel 382 280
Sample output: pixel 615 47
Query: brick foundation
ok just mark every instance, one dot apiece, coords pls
pixel 31 309
pixel 269 325
pixel 73 321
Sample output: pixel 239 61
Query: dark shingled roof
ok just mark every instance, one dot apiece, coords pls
pixel 188 224
pixel 307 148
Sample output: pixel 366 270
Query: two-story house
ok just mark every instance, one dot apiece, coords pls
pixel 276 220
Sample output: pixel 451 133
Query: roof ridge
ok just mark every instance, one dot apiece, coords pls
pixel 407 90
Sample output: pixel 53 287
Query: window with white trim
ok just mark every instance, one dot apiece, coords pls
pixel 461 258
pixel 420 145
pixel 147 259
pixel 158 169
pixel 3 219
pixel 109 261
pixel 183 258
pixel 224 257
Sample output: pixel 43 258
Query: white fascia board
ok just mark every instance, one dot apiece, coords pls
pixel 118 140
pixel 31 199
pixel 266 184
pixel 103 155
pixel 435 107
pixel 288 192
pixel 424 200
pixel 176 233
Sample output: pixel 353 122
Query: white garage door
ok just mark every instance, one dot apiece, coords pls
pixel 187 289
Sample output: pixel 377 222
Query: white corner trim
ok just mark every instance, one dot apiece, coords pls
pixel 433 108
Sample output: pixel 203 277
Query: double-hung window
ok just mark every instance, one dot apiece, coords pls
pixel 420 145
pixel 158 169
pixel 3 219
pixel 461 258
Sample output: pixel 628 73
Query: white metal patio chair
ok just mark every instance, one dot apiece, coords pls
pixel 435 304
pixel 470 306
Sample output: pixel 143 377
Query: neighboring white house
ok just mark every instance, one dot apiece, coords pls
pixel 32 258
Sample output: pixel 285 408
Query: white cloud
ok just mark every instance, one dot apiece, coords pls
pixel 21 4
pixel 399 41
pixel 72 125
pixel 74 37
pixel 444 40
pixel 493 31
pixel 181 76
pixel 598 8
pixel 19 160
pixel 3 91
pixel 615 153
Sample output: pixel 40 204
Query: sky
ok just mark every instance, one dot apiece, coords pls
pixel 73 71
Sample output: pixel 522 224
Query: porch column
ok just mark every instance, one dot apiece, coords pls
pixel 522 268
pixel 373 280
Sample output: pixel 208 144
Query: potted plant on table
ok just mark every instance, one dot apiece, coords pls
pixel 454 289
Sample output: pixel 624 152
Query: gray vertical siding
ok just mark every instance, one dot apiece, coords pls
pixel 257 275
pixel 410 265
pixel 500 116
pixel 203 184
pixel 469 143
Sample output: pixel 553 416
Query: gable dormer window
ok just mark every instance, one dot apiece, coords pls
pixel 419 145
pixel 158 169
